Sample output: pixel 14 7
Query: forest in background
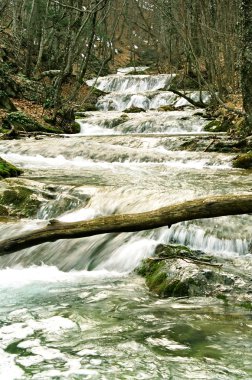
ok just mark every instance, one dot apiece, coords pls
pixel 61 43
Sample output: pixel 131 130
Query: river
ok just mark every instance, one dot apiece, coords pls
pixel 75 309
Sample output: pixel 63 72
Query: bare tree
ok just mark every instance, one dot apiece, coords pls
pixel 246 70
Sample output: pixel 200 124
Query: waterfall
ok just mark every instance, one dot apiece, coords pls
pixel 75 308
pixel 124 163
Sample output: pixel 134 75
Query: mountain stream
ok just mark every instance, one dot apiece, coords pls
pixel 75 309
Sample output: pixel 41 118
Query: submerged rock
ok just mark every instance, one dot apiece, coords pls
pixel 177 271
pixel 26 198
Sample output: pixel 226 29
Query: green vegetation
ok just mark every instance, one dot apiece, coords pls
pixel 8 170
pixel 22 122
pixel 243 161
pixel 19 201
pixel 156 272
pixel 216 126
pixel 166 108
pixel 159 282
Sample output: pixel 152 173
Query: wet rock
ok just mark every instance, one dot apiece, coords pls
pixel 116 121
pixel 216 126
pixel 20 201
pixel 26 198
pixel 135 110
pixel 177 271
pixel 89 107
pixel 24 123
pixel 3 211
pixel 243 161
pixel 166 108
pixel 8 170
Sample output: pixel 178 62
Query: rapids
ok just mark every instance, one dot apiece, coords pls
pixel 74 309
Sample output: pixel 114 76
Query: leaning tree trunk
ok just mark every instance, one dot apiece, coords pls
pixel 246 68
pixel 208 207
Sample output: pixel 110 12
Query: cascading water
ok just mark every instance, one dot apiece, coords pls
pixel 73 309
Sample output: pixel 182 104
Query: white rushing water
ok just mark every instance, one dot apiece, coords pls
pixel 73 309
pixel 132 83
pixel 151 122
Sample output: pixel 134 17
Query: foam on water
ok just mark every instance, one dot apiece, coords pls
pixel 90 129
pixel 131 83
pixel 19 276
pixel 128 70
pixel 122 157
pixel 149 100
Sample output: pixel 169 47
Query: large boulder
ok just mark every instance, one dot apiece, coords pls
pixel 177 271
pixel 23 123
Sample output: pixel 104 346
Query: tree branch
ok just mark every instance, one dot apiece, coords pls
pixel 208 207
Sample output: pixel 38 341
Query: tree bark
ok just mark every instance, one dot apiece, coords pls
pixel 208 207
pixel 246 68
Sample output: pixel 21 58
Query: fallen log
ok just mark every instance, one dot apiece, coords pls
pixel 208 207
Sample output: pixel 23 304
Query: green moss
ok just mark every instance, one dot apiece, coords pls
pixel 166 108
pixel 8 170
pixel 24 123
pixel 222 297
pixel 3 211
pixel 72 127
pixel 158 277
pixel 20 201
pixel 243 161
pixel 246 305
pixel 89 107
pixel 115 122
pixel 134 110
pixel 174 288
pixel 216 126
pixel 159 283
pixel 172 251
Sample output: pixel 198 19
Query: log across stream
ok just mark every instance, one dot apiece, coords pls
pixel 207 207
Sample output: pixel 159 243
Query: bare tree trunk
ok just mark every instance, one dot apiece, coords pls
pixel 30 41
pixel 42 40
pixel 246 70
pixel 208 207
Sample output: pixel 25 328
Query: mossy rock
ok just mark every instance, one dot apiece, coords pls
pixel 216 126
pixel 89 107
pixel 73 127
pixel 177 271
pixel 117 121
pixel 22 122
pixel 135 110
pixel 157 275
pixel 8 170
pixel 166 108
pixel 20 201
pixel 3 211
pixel 243 161
pixel 159 282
